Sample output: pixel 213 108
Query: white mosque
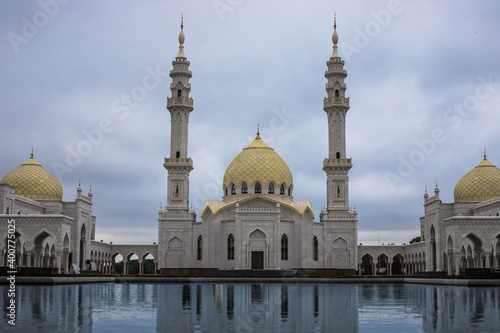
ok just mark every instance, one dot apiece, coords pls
pixel 257 224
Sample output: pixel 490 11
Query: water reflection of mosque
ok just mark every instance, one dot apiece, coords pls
pixel 249 307
pixel 255 307
pixel 275 307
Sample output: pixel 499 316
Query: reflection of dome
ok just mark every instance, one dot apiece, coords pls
pixel 258 162
pixel 33 181
pixel 480 184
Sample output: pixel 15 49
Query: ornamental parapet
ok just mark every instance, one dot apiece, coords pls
pixel 180 101
pixel 335 101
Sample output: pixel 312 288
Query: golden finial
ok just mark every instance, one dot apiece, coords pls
pixel 258 132
pixel 485 152
pixel 335 20
pixel 32 153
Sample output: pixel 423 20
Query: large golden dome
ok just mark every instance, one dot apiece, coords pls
pixel 33 181
pixel 480 184
pixel 258 162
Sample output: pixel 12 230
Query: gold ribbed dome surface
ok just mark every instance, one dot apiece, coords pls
pixel 33 181
pixel 480 184
pixel 258 162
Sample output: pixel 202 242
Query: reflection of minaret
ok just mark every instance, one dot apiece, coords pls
pixel 340 235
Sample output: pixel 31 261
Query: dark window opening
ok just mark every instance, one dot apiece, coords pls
pixel 315 248
pixel 176 189
pixel 230 247
pixel 7 212
pixel 200 248
pixel 258 188
pixel 270 188
pixel 178 154
pixel 282 189
pixel 244 188
pixel 179 93
pixel 233 189
pixel 337 93
pixel 226 190
pixel 289 190
pixel 284 247
pixel 338 189
pixel 338 155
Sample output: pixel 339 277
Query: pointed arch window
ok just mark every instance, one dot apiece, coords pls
pixel 225 189
pixel 258 188
pixel 230 247
pixel 270 188
pixel 7 212
pixel 282 189
pixel 315 248
pixel 179 93
pixel 284 247
pixel 233 189
pixel 289 191
pixel 337 93
pixel 244 188
pixel 200 248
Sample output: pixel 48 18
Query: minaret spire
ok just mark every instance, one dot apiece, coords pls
pixel 335 38
pixel 182 38
pixel 258 132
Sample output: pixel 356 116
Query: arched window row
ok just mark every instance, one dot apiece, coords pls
pixel 257 189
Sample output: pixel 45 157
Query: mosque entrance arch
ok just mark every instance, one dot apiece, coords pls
pixel 257 249
pixel 257 259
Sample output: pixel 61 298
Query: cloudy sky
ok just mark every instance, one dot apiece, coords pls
pixel 423 81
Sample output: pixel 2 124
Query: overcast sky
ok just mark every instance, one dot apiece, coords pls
pixel 423 81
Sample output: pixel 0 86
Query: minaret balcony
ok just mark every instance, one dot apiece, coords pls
pixel 337 161
pixel 180 101
pixel 178 163
pixel 336 101
pixel 330 164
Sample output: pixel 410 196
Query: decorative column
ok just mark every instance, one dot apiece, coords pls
pixel 389 266
pixel 458 257
pixel 487 260
pixel 449 258
pixel 66 261
pixel 58 263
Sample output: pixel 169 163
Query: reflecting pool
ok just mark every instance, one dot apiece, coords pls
pixel 253 307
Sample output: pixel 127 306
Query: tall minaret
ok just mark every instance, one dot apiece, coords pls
pixel 179 165
pixel 336 105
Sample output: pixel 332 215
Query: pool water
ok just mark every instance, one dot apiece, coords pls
pixel 252 307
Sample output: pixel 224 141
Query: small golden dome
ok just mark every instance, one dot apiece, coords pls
pixel 258 162
pixel 33 181
pixel 480 184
